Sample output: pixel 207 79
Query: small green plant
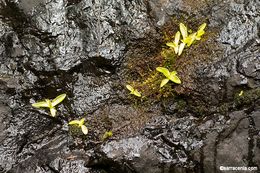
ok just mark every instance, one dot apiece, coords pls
pixel 241 93
pixel 133 91
pixel 107 134
pixel 170 76
pixel 80 123
pixel 50 104
pixel 187 39
pixel 175 45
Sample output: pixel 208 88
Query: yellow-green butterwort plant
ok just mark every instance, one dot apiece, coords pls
pixel 170 76
pixel 50 104
pixel 80 123
pixel 175 44
pixel 133 91
pixel 107 134
pixel 178 48
pixel 187 39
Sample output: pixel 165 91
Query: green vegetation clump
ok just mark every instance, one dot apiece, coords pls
pixel 187 39
pixel 247 97
pixel 50 104
pixel 133 91
pixel 150 83
pixel 170 76
pixel 80 124
pixel 107 135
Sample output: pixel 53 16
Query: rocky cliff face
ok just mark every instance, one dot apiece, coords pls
pixel 85 48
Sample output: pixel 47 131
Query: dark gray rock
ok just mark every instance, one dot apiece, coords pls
pixel 80 47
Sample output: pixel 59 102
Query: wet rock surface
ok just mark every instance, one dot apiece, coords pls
pixel 81 48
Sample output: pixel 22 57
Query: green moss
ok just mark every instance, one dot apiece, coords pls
pixel 246 99
pixel 201 110
pixel 141 73
pixel 224 108
pixel 76 132
pixel 181 105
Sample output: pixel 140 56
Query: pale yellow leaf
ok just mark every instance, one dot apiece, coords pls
pixel 181 47
pixel 173 73
pixel 175 79
pixel 84 129
pixel 174 46
pixel 58 99
pixel 136 93
pixel 164 82
pixel 81 122
pixel 130 88
pixel 163 70
pixel 171 44
pixel 200 31
pixel 107 134
pixel 53 111
pixel 177 38
pixel 199 34
pixel 40 104
pixel 184 31
pixel 74 122
pixel 190 39
pixel 202 27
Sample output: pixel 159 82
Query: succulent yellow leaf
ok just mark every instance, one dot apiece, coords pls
pixel 136 93
pixel 176 49
pixel 202 27
pixel 81 122
pixel 74 122
pixel 133 91
pixel 53 111
pixel 181 47
pixel 190 39
pixel 84 129
pixel 175 79
pixel 173 73
pixel 200 31
pixel 174 46
pixel 177 38
pixel 176 41
pixel 171 44
pixel 130 88
pixel 40 104
pixel 164 82
pixel 163 70
pixel 107 134
pixel 199 34
pixel 184 30
pixel 58 99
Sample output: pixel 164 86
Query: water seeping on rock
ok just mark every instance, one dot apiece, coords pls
pixel 90 49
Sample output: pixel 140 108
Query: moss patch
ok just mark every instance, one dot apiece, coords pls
pixel 141 71
pixel 248 98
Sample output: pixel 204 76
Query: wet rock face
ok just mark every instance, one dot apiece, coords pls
pixel 240 40
pixel 160 145
pixel 49 47
pixel 80 47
